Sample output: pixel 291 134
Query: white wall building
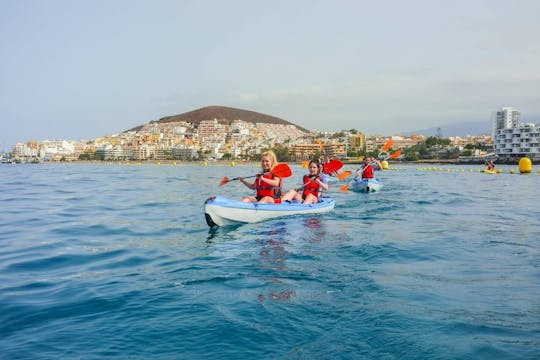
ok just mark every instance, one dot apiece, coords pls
pixel 513 140
pixel 505 118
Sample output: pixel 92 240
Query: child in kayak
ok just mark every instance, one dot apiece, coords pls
pixel 313 183
pixel 366 172
pixel 267 185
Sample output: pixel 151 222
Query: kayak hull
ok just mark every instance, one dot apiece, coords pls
pixel 366 185
pixel 221 211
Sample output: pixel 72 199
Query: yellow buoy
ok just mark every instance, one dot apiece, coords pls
pixel 511 171
pixel 233 164
pixel 525 165
pixel 384 164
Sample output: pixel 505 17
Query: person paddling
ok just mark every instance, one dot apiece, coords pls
pixel 366 172
pixel 267 185
pixel 375 163
pixel 311 190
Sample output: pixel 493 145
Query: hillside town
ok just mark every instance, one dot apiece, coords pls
pixel 219 139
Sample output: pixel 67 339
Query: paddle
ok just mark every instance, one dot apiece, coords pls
pixel 345 174
pixel 388 145
pixel 332 166
pixel 395 155
pixel 383 154
pixel 280 170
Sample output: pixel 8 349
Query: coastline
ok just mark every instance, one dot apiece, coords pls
pixel 240 163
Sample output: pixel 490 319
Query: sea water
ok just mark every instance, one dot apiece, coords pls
pixel 117 261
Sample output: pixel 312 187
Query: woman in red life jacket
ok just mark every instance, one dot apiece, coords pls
pixel 366 172
pixel 313 183
pixel 267 185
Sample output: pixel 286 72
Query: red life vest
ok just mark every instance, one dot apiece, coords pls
pixel 310 187
pixel 265 189
pixel 367 172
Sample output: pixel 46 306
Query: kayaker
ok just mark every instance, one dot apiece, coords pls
pixel 490 165
pixel 267 185
pixel 313 183
pixel 375 163
pixel 366 172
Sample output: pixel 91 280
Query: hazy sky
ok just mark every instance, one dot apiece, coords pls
pixel 85 68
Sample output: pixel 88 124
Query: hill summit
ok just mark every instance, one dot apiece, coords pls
pixel 225 115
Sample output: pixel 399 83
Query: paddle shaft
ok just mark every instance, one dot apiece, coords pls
pixel 280 170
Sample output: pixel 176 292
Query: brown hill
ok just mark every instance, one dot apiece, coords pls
pixel 225 115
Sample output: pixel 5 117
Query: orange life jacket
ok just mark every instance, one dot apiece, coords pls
pixel 265 189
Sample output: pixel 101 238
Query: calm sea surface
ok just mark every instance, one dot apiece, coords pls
pixel 116 261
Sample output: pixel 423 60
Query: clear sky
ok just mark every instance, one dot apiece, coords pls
pixel 86 68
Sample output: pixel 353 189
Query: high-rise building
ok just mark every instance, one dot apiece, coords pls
pixel 512 139
pixel 505 118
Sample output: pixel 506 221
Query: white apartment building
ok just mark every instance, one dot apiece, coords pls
pixel 512 139
pixel 505 118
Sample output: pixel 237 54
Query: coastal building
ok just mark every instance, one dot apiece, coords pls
pixel 357 142
pixel 505 118
pixel 301 152
pixel 185 152
pixel 375 142
pixel 512 139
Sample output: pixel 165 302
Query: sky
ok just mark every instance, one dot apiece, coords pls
pixel 88 68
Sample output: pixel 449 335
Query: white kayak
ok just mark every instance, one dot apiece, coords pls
pixel 221 211
pixel 366 185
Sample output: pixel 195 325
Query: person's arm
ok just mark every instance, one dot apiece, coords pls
pixel 248 184
pixel 322 184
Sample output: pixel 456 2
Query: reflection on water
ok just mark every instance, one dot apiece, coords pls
pixel 273 256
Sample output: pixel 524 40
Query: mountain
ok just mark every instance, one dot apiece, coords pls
pixel 224 115
pixel 461 129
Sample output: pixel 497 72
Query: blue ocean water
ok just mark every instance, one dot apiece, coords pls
pixel 116 261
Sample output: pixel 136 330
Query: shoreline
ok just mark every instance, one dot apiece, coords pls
pixel 240 163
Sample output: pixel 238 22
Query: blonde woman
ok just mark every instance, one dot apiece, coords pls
pixel 267 185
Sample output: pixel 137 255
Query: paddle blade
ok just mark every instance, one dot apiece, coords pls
pixel 388 145
pixel 344 174
pixel 224 181
pixel 395 155
pixel 282 171
pixel 344 187
pixel 333 166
